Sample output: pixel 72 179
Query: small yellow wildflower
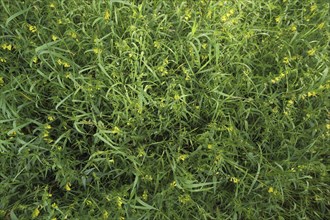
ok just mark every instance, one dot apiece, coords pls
pixel 270 189
pixel 32 28
pixel 184 199
pixel 115 130
pixel 231 12
pixel 107 15
pixel 97 50
pixel 52 5
pixel 286 60
pixel 183 157
pixel 278 19
pixel 224 18
pixel 66 65
pixel 6 46
pixel 54 37
pixel 73 35
pixel 105 215
pixel 313 7
pixel 311 94
pixel 67 75
pixel 234 180
pixel 35 213
pixel 176 97
pixel 209 146
pixel 35 59
pixel 173 184
pixel 47 126
pixel 59 21
pixel 67 187
pixel 147 178
pixel 293 28
pixel 157 44
pixel 50 118
pixel 46 134
pixel 119 202
pixel 311 52
pixel 59 61
pixel 12 134
pixel 3 60
pixel 145 195
pixel 204 45
pixel 290 102
pixel 328 126
pixel 54 205
pixel 320 26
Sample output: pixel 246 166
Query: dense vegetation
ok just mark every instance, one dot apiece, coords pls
pixel 164 109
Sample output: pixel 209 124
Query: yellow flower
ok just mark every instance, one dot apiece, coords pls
pixel 6 46
pixel 35 213
pixel 116 130
pixel 173 184
pixel 293 28
pixel 59 21
pixel 234 180
pixel 176 97
pixel 311 52
pixel 157 44
pixel 184 199
pixel 47 126
pixel 3 60
pixel 313 7
pixel 1 81
pixel 46 134
pixel 328 126
pixel 270 189
pixel 278 19
pixel 119 202
pixel 54 37
pixel 66 65
pixel 311 94
pixel 67 187
pixel 290 102
pixel 107 15
pixel 183 157
pixel 209 146
pixel 32 28
pixel 145 195
pixel 224 18
pixel 73 35
pixel 147 178
pixel 59 61
pixel 105 215
pixel 320 26
pixel 52 5
pixel 35 59
pixel 50 118
pixel 286 60
pixel 13 134
pixel 97 50
pixel 54 205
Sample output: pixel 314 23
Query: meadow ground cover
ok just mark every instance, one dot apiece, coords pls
pixel 164 109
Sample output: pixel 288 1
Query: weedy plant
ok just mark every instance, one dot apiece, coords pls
pixel 164 109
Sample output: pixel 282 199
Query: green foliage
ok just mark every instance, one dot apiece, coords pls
pixel 164 109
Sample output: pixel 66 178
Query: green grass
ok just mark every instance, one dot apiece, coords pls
pixel 164 109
